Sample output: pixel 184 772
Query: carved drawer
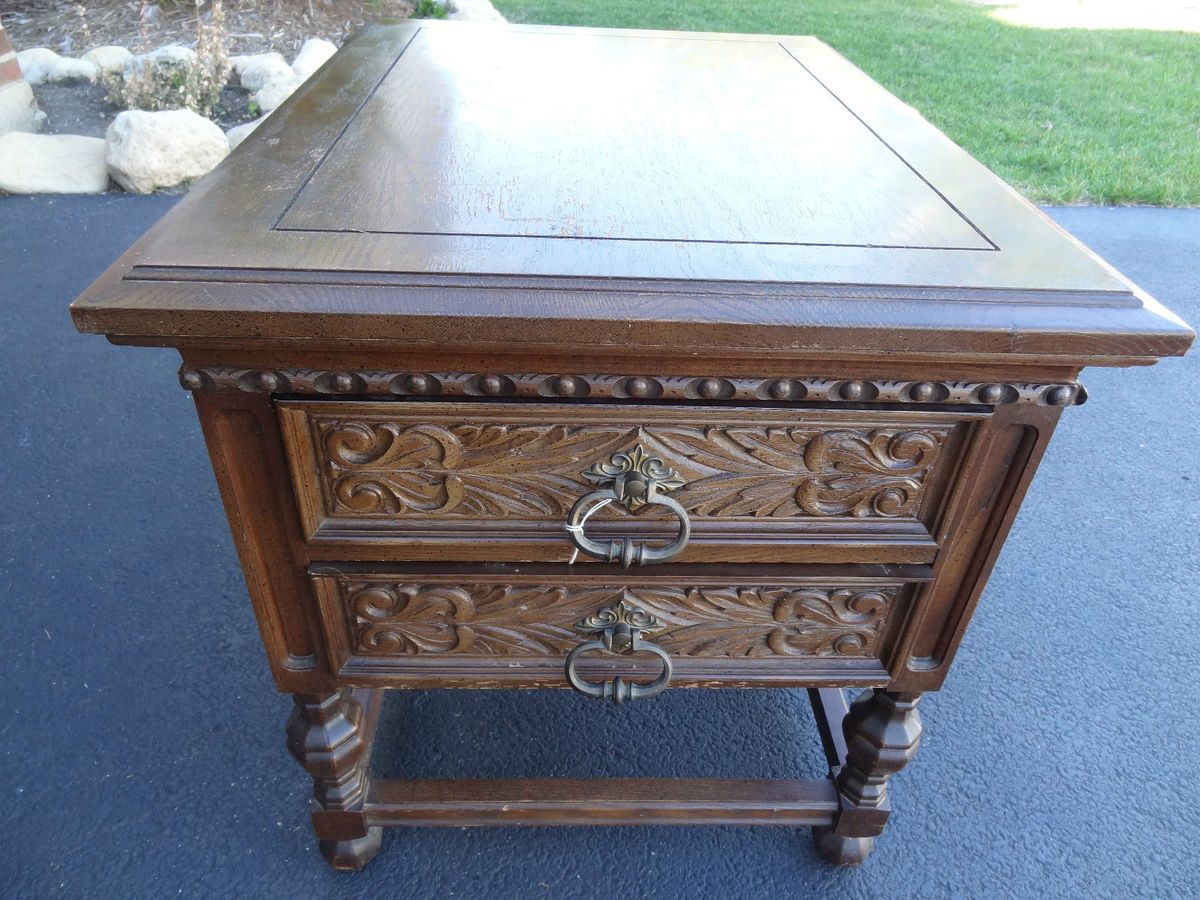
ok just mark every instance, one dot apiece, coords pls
pixel 513 626
pixel 488 481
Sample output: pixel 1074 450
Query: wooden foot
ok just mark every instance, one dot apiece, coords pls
pixel 330 735
pixel 841 851
pixel 882 732
pixel 352 855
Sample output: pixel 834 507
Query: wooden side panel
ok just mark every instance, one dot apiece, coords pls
pixel 998 468
pixel 242 434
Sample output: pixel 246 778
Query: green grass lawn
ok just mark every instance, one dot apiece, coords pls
pixel 1067 116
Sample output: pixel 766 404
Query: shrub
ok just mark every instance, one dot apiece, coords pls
pixel 162 83
pixel 428 9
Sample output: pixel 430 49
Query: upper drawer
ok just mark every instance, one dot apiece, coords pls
pixel 497 481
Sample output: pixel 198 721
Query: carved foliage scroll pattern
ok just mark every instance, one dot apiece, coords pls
pixel 388 468
pixel 411 619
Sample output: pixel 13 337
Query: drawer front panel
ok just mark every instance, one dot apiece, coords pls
pixel 510 625
pixel 499 480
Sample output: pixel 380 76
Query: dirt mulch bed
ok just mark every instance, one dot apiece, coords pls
pixel 253 27
pixel 84 108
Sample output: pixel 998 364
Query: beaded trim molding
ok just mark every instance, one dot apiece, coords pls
pixel 625 387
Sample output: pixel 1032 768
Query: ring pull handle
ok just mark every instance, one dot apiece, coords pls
pixel 620 628
pixel 633 479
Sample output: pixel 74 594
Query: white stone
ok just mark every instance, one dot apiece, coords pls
pixel 67 70
pixel 36 63
pixel 109 59
pixel 174 55
pixel 273 93
pixel 258 73
pixel 313 55
pixel 138 64
pixel 18 109
pixel 238 63
pixel 239 133
pixel 143 65
pixel 475 11
pixel 52 164
pixel 150 150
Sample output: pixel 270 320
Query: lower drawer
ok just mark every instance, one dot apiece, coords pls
pixel 513 625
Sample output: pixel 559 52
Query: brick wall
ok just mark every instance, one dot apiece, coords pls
pixel 9 70
pixel 18 109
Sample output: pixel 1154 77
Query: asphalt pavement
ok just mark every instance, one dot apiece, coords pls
pixel 143 749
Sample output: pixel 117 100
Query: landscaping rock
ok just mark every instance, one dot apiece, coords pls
pixel 109 59
pixel 36 63
pixel 239 133
pixel 273 93
pixel 238 63
pixel 475 11
pixel 138 64
pixel 66 70
pixel 52 164
pixel 256 74
pixel 312 56
pixel 150 150
pixel 174 55
pixel 18 108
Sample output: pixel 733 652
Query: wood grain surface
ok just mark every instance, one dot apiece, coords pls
pixel 634 138
pixel 590 189
pixel 601 801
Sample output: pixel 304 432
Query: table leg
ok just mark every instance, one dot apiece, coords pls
pixel 882 731
pixel 330 735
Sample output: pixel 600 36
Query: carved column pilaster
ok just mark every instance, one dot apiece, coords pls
pixel 325 734
pixel 882 731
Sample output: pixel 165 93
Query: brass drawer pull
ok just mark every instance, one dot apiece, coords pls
pixel 635 480
pixel 620 628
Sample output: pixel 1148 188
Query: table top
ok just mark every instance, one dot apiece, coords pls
pixel 539 185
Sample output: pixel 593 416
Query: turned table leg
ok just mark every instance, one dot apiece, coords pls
pixel 882 731
pixel 329 734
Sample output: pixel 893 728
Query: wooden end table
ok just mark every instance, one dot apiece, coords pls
pixel 536 357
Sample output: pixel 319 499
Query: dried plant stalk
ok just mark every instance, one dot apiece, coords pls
pixel 196 84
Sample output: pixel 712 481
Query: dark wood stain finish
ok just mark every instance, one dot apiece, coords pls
pixel 435 287
pixel 420 625
pixel 388 481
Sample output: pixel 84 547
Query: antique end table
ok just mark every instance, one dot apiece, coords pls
pixel 618 360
